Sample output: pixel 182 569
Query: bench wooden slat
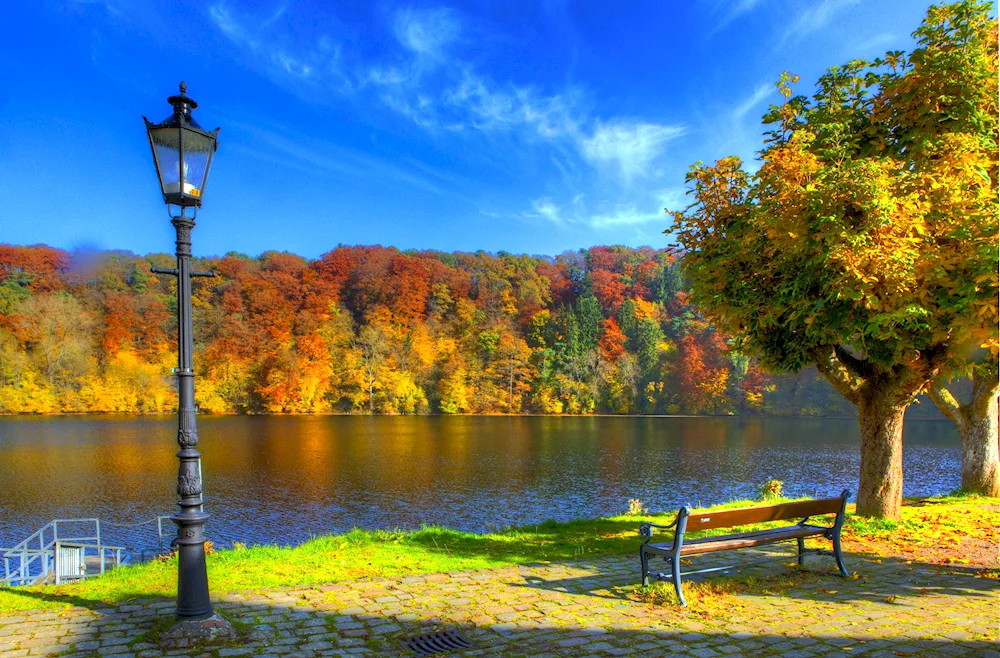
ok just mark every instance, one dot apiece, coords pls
pixel 742 539
pixel 747 539
pixel 746 515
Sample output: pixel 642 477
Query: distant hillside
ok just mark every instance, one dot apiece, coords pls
pixel 376 330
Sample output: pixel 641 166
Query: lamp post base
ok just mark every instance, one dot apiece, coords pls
pixel 190 631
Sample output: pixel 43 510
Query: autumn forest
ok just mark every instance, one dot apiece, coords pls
pixel 377 330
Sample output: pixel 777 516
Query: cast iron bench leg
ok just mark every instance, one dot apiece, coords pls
pixel 839 556
pixel 675 570
pixel 644 561
pixel 802 547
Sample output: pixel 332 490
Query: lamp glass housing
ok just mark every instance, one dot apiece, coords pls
pixel 182 152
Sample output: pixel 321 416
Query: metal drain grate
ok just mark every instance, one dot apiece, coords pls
pixel 440 642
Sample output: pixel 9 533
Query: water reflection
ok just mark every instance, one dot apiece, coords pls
pixel 283 479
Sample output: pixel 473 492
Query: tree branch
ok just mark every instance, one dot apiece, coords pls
pixel 912 378
pixel 857 367
pixel 984 389
pixel 984 386
pixel 946 402
pixel 835 371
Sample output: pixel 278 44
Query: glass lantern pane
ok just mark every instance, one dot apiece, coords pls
pixel 166 149
pixel 197 156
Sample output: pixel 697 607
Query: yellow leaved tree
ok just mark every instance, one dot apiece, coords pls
pixel 866 243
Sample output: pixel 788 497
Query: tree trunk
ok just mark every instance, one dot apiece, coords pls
pixel 510 393
pixel 981 452
pixel 977 423
pixel 880 490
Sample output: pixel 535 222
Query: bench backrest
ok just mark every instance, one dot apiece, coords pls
pixel 733 517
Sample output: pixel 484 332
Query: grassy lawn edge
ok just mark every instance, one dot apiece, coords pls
pixel 396 553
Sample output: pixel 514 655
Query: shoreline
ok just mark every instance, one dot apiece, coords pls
pixel 107 414
pixel 355 554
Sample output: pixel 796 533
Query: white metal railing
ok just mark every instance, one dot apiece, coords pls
pixel 162 547
pixel 47 554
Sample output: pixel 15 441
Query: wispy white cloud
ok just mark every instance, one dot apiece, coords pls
pixel 750 102
pixel 388 76
pixel 625 216
pixel 734 11
pixel 577 213
pixel 418 109
pixel 230 26
pixel 278 13
pixel 629 146
pixel 873 45
pixel 284 57
pixel 604 169
pixel 438 93
pixel 814 18
pixel 489 107
pixel 425 36
pixel 459 98
pixel 546 209
pixel 317 155
pixel 110 6
pixel 426 32
pixel 672 198
pixel 293 66
pixel 650 211
pixel 735 129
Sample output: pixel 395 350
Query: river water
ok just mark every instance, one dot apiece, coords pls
pixel 283 479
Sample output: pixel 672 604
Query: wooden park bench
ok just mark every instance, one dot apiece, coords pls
pixel 682 547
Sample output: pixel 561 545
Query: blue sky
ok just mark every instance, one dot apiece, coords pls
pixel 531 127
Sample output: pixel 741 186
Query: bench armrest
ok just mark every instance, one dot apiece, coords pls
pixel 646 529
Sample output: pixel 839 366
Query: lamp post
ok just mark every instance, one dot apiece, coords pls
pixel 182 152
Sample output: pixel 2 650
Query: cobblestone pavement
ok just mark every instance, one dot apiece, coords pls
pixel 578 608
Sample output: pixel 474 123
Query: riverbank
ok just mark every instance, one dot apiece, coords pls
pixel 284 480
pixel 955 530
pixel 933 602
pixel 922 415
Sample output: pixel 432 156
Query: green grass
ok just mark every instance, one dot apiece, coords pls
pixel 866 527
pixel 942 522
pixel 356 554
pixel 362 553
pixel 926 517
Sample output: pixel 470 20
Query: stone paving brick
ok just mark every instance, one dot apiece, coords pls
pixel 704 653
pixel 571 609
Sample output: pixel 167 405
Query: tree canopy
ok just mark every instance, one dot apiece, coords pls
pixel 866 243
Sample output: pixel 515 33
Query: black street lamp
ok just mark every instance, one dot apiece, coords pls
pixel 182 152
